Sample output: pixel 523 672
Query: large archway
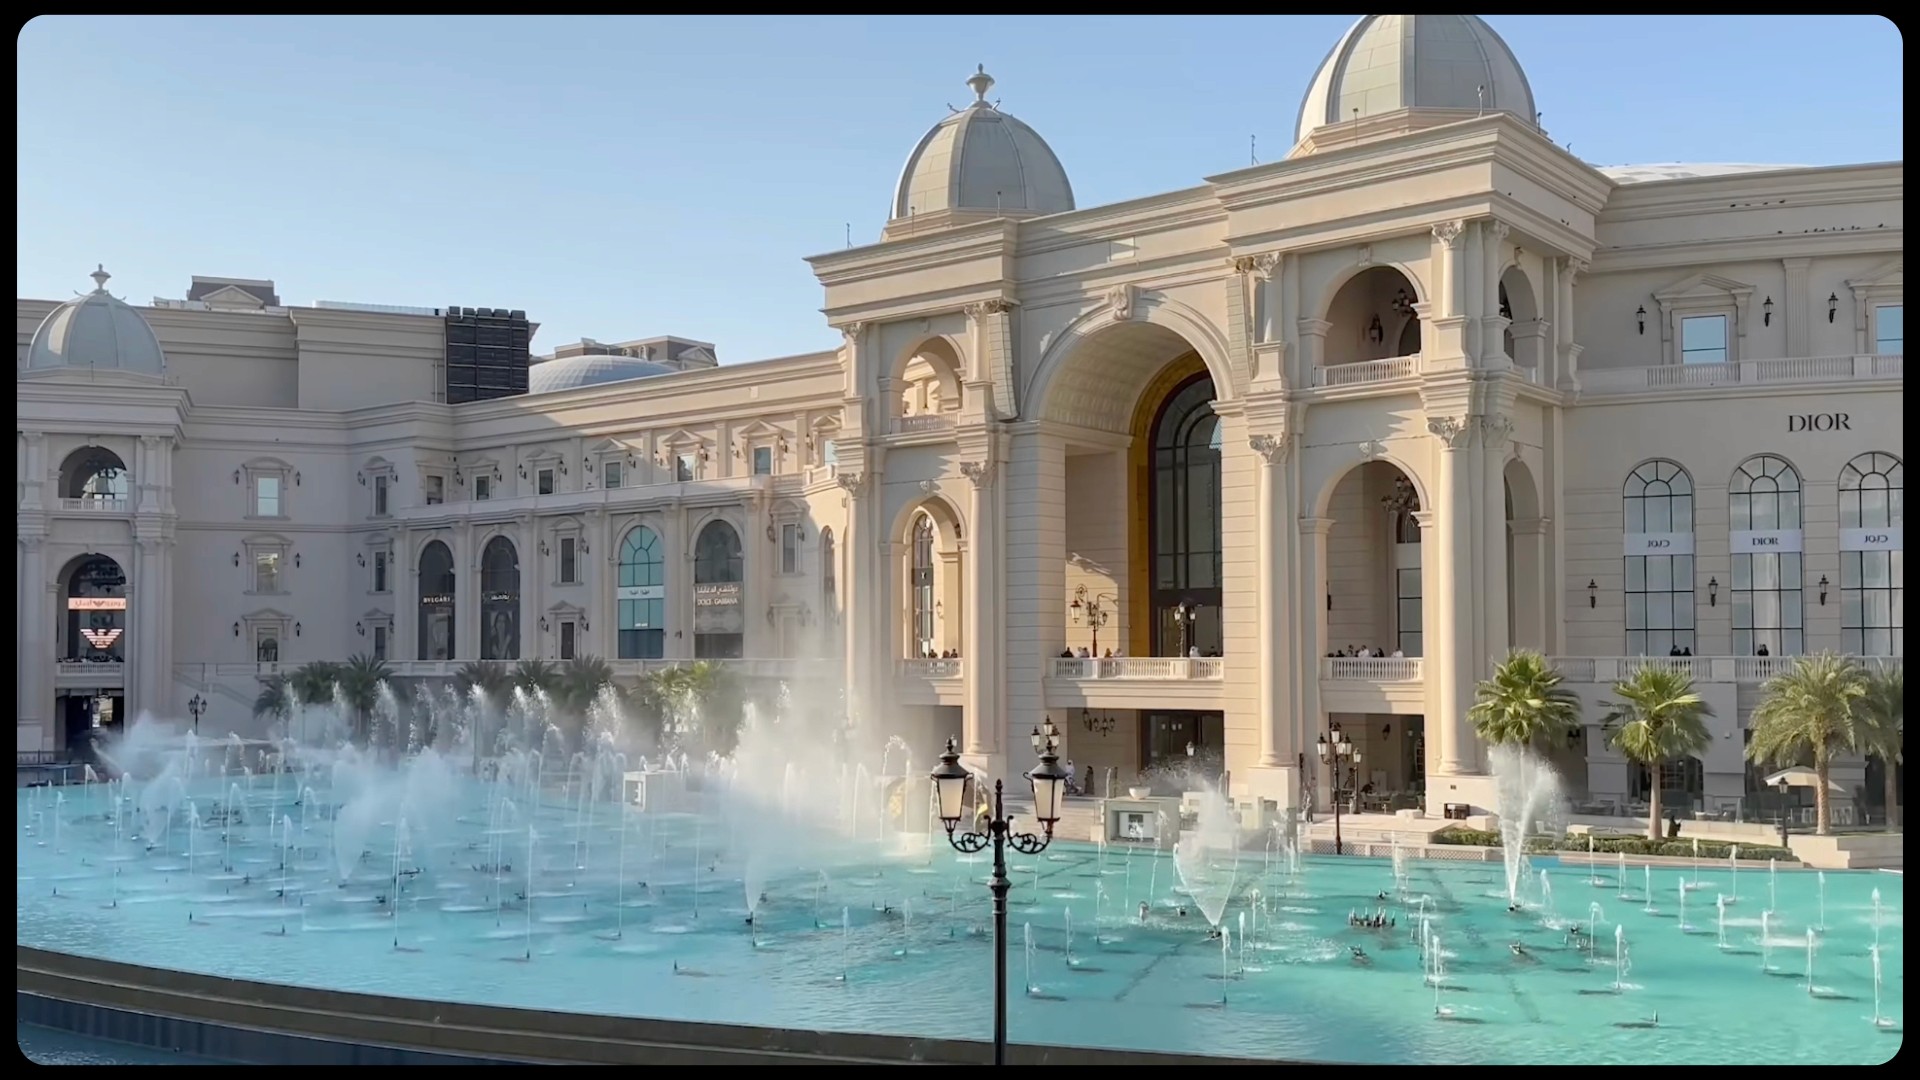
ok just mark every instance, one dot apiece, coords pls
pixel 93 590
pixel 437 607
pixel 1372 317
pixel 97 475
pixel 1525 338
pixel 1185 548
pixel 500 600
pixel 932 577
pixel 927 386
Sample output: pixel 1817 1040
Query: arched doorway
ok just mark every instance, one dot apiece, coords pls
pixel 437 622
pixel 1372 317
pixel 642 596
pixel 94 636
pixel 930 575
pixel 1184 543
pixel 96 474
pixel 500 600
pixel 719 609
pixel 1524 339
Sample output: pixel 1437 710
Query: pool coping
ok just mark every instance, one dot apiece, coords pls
pixel 274 1023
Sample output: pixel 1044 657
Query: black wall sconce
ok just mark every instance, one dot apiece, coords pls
pixel 361 558
pixel 806 614
pixel 1375 332
pixel 296 478
pixel 1833 305
pixel 584 548
pixel 1713 592
pixel 1766 312
pixel 296 560
pixel 1403 304
pixel 236 558
pixel 543 547
pixel 236 629
pixel 1593 593
pixel 296 629
pixel 770 615
pixel 360 628
pixel 584 624
pixel 361 477
pixel 523 472
pixel 1640 314
pixel 543 624
pixel 459 478
pixel 563 466
pixel 1329 601
pixel 236 472
pixel 1823 590
pixel 771 535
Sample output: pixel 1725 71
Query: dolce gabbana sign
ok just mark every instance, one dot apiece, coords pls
pixel 1659 544
pixel 1761 541
pixel 1825 421
pixel 1884 539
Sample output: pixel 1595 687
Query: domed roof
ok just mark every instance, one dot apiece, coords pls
pixel 97 331
pixel 574 372
pixel 980 163
pixel 1386 63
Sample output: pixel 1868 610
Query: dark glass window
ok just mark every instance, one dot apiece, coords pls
pixel 500 601
pixel 436 602
pixel 1184 513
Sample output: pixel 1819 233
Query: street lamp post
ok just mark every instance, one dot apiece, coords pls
pixel 1049 789
pixel 1340 753
pixel 1184 613
pixel 1093 611
pixel 1785 789
pixel 197 706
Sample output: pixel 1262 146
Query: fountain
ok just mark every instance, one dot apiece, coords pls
pixel 1620 958
pixel 1720 918
pixel 1766 941
pixel 1529 794
pixel 1207 857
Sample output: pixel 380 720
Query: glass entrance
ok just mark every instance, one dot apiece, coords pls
pixel 1179 741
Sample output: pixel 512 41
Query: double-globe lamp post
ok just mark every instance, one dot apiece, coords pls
pixel 1338 752
pixel 1049 782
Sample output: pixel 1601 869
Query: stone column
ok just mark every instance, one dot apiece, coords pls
pixel 36 654
pixel 403 579
pixel 147 686
pixel 1530 583
pixel 1569 375
pixel 1276 603
pixel 1311 718
pixel 533 585
pixel 1447 595
pixel 1493 238
pixel 1036 584
pixel 467 621
pixel 1313 346
pixel 33 477
pixel 981 659
pixel 869 651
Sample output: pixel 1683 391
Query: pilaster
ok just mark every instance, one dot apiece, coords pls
pixel 1569 268
pixel 981 655
pixel 990 367
pixel 1493 325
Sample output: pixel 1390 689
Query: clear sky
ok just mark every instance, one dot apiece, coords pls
pixel 624 177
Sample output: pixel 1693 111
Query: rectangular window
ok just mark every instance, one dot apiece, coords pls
pixel 566 640
pixel 1872 603
pixel 379 571
pixel 482 488
pixel 763 461
pixel 543 483
pixel 1889 329
pixel 266 571
pixel 1409 611
pixel 683 468
pixel 568 563
pixel 613 475
pixel 830 453
pixel 789 549
pixel 379 642
pixel 1703 339
pixel 379 496
pixel 266 496
pixel 435 489
pixel 266 644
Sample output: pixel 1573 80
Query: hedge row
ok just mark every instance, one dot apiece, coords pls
pixel 1610 845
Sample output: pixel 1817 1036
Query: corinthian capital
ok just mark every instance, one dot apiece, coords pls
pixel 1454 432
pixel 851 332
pixel 1450 232
pixel 979 472
pixel 851 482
pixel 989 307
pixel 1495 431
pixel 1497 231
pixel 1271 448
pixel 1260 266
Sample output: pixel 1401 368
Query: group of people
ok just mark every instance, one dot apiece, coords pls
pixel 1083 653
pixel 943 654
pixel 1365 652
pixel 1377 919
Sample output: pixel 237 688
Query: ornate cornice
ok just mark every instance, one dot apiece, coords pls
pixel 1477 429
pixel 1120 299
pixel 1454 432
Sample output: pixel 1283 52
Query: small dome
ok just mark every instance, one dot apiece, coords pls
pixel 980 163
pixel 98 331
pixel 574 372
pixel 1391 62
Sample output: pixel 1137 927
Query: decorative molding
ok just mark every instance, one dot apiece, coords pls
pixel 851 482
pixel 927 486
pixel 988 307
pixel 1366 255
pixel 1121 299
pixel 1260 266
pixel 1450 232
pixel 1495 430
pixel 1454 432
pixel 851 332
pixel 1272 448
pixel 979 472
pixel 1372 450
pixel 1497 231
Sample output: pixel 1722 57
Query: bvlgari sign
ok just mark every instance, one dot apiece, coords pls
pixel 1761 541
pixel 1659 544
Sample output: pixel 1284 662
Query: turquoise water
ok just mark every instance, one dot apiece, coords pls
pixel 898 943
pixel 44 1046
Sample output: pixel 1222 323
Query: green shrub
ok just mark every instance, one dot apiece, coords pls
pixel 1467 837
pixel 1612 845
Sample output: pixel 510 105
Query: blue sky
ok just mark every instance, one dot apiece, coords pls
pixel 623 177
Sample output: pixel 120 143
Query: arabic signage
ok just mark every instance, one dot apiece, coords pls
pixel 725 594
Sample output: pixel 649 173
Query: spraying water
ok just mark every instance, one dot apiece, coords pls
pixel 846 938
pixel 1682 883
pixel 1529 791
pixel 1733 873
pixel 1720 918
pixel 1620 960
pixel 1879 1020
pixel 1026 931
pixel 1766 941
pixel 1812 946
pixel 1646 874
pixel 1207 857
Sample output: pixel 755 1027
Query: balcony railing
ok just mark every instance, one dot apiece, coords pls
pixel 1721 669
pixel 96 506
pixel 947 668
pixel 1801 369
pixel 1371 668
pixel 1367 371
pixel 923 423
pixel 1139 667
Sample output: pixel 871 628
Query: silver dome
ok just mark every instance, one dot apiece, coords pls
pixel 982 160
pixel 574 372
pixel 98 331
pixel 1386 63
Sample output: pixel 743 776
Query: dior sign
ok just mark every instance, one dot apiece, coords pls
pixel 1761 541
pixel 1883 539
pixel 1659 543
pixel 1831 421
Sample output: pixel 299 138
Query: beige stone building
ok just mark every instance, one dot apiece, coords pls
pixel 1429 388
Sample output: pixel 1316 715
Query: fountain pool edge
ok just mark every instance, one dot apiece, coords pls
pixel 237 1019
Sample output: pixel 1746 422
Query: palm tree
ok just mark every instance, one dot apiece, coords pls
pixel 492 678
pixel 701 702
pixel 1814 709
pixel 1884 709
pixel 1658 718
pixel 536 676
pixel 313 683
pixel 1524 704
pixel 359 680
pixel 272 699
pixel 578 683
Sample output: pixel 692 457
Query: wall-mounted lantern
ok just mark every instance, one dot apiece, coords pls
pixel 1823 590
pixel 1640 315
pixel 1713 592
pixel 1593 593
pixel 1766 312
pixel 1833 306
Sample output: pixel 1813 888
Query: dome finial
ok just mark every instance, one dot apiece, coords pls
pixel 980 82
pixel 100 277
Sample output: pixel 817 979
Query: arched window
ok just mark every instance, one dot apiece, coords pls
pixel 94 473
pixel 829 573
pixel 1184 515
pixel 642 596
pixel 1872 571
pixel 96 601
pixel 719 614
pixel 1659 560
pixel 1408 589
pixel 500 600
pixel 1763 511
pixel 921 584
pixel 436 602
